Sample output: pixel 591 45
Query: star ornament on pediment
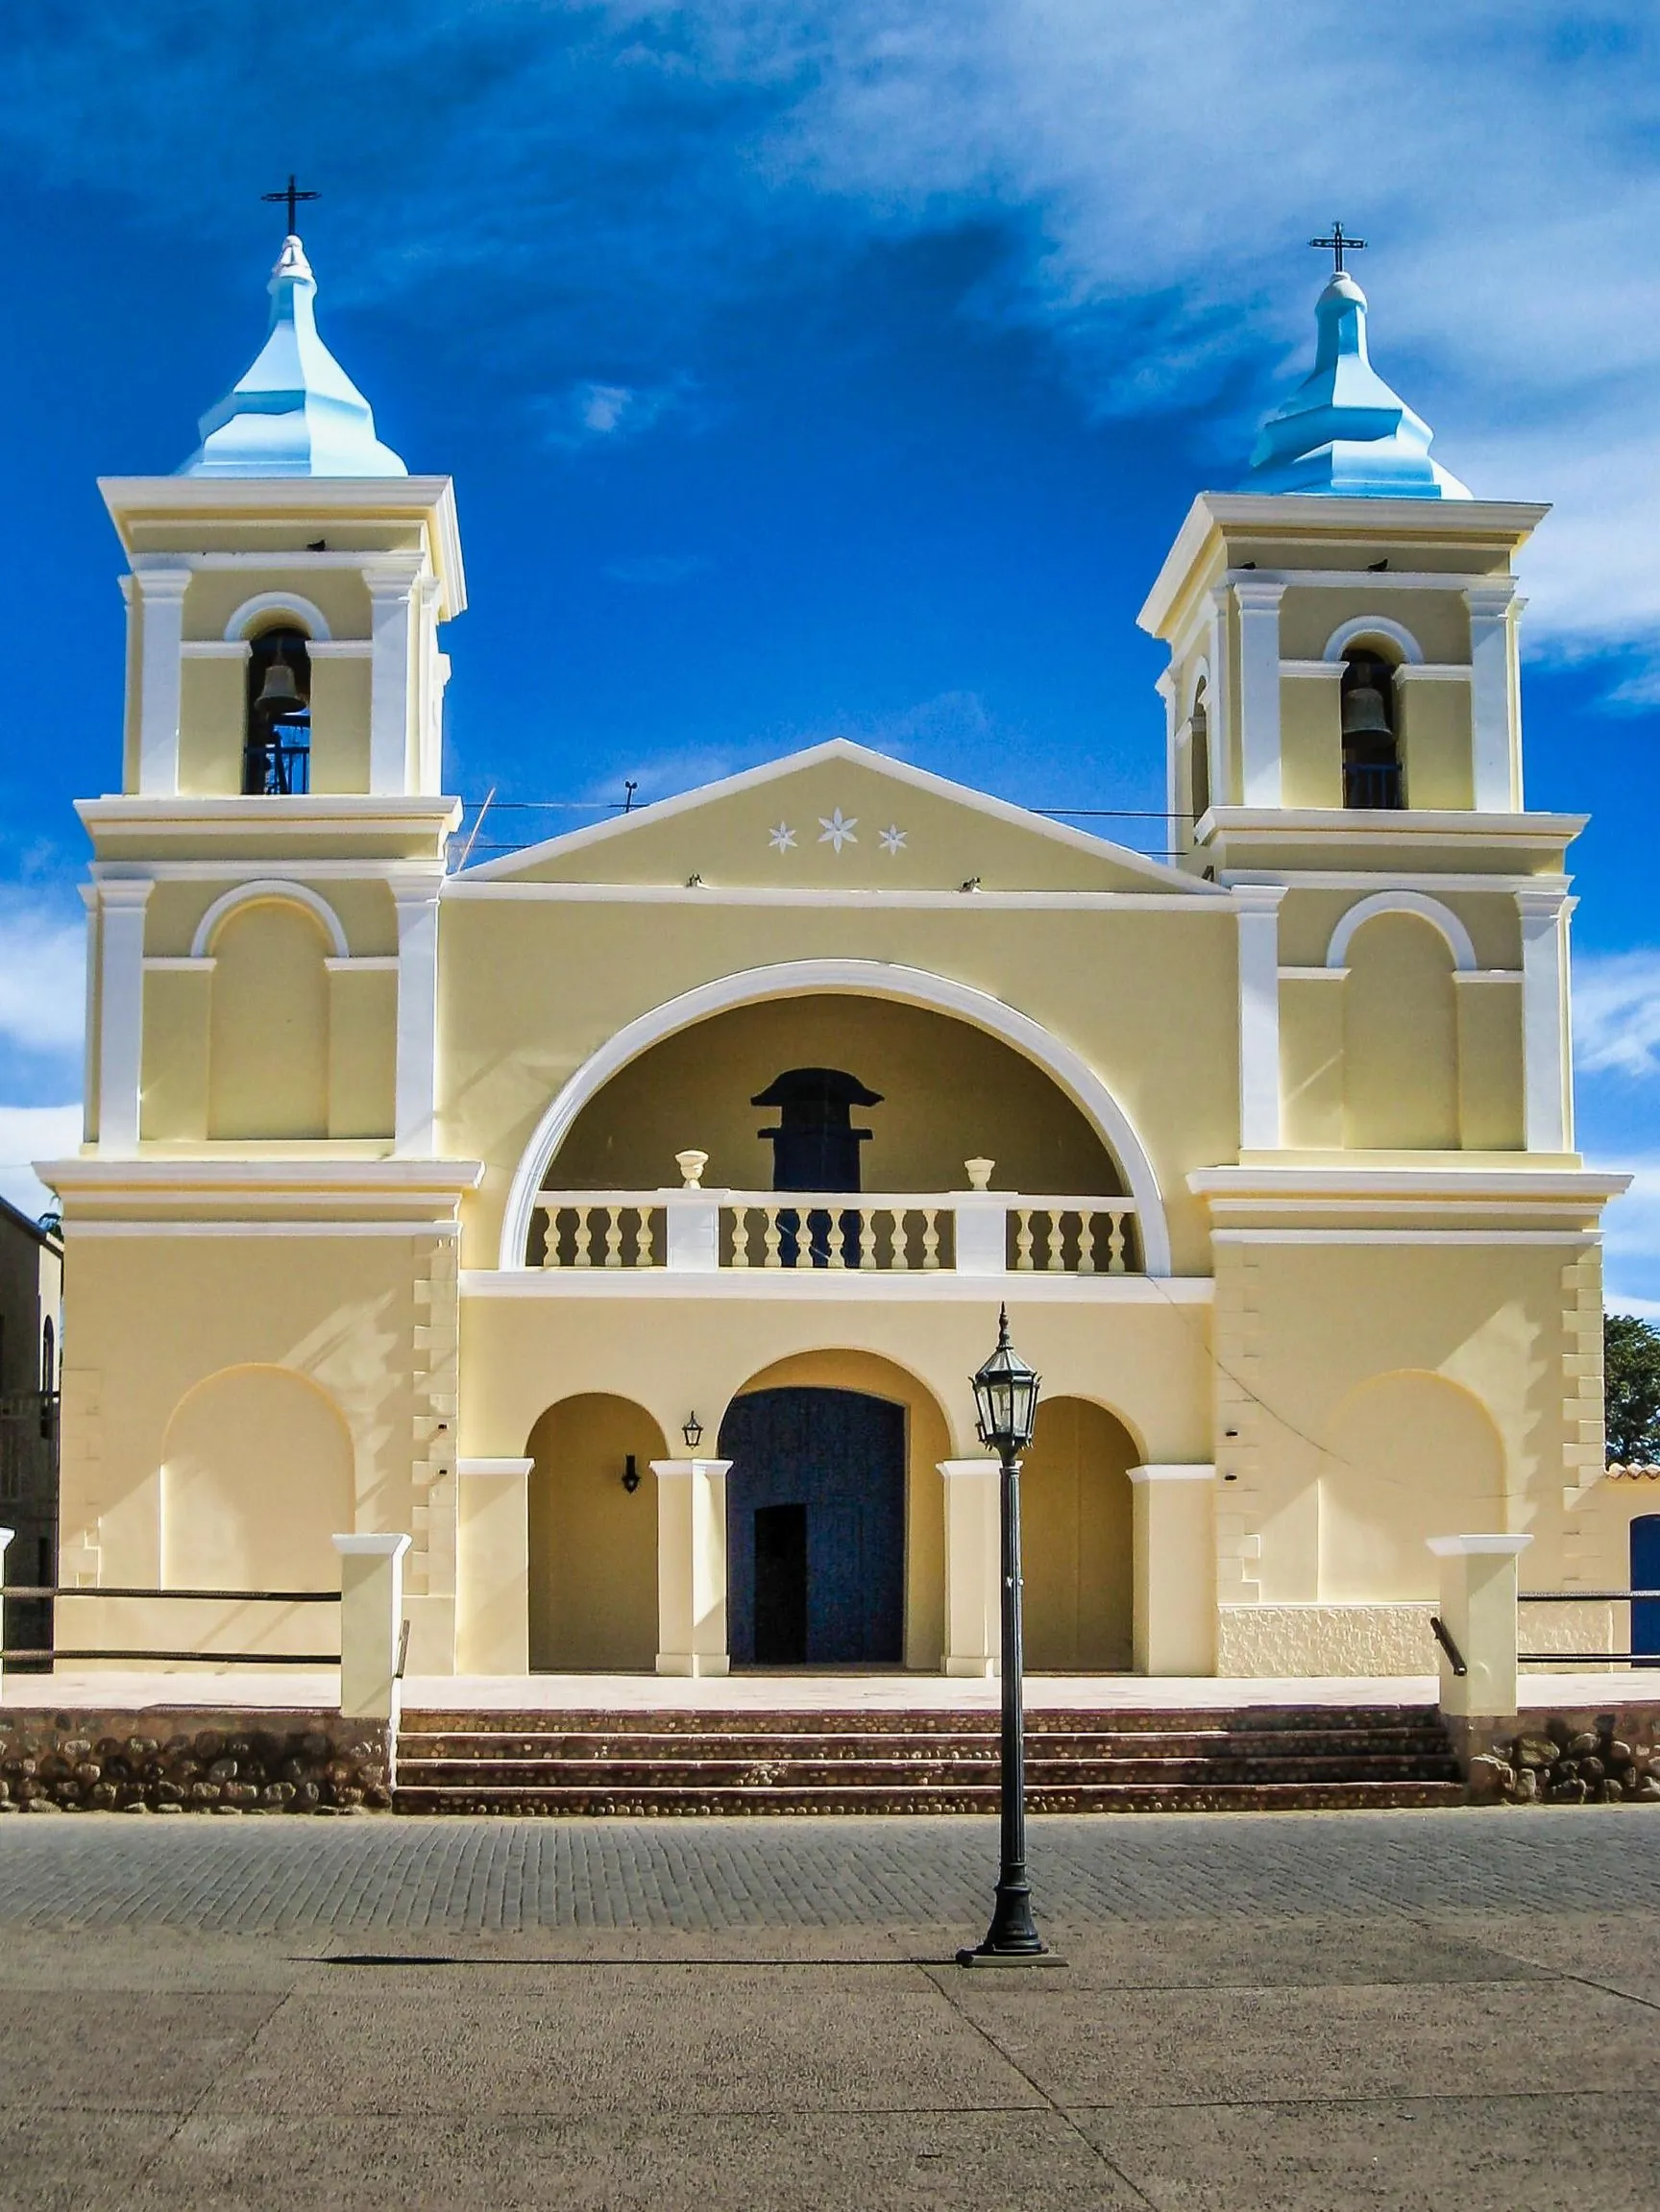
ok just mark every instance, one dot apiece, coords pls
pixel 782 839
pixel 893 840
pixel 839 830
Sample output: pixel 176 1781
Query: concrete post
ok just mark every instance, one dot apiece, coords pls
pixel 6 1536
pixel 982 1234
pixel 973 1566
pixel 692 1566
pixel 493 1565
pixel 1478 1581
pixel 1174 1544
pixel 371 1624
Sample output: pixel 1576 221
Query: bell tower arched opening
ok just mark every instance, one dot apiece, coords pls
pixel 277 725
pixel 1372 771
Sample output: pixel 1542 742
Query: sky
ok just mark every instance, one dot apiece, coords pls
pixel 840 366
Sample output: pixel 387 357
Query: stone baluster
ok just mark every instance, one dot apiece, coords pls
pixel 740 1236
pixel 613 1235
pixel 900 1260
pixel 771 1236
pixel 1115 1244
pixel 1056 1240
pixel 868 1237
pixel 1023 1239
pixel 930 1238
pixel 643 1238
pixel 1087 1240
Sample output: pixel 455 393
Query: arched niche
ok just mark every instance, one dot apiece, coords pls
pixel 1399 1037
pixel 256 1481
pixel 268 1026
pixel 927 1442
pixel 1408 1455
pixel 1076 1539
pixel 865 981
pixel 592 1540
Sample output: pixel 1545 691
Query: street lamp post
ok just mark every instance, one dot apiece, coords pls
pixel 1006 1400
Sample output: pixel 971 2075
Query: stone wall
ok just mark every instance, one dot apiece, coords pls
pixel 179 1758
pixel 1567 1758
pixel 1355 1642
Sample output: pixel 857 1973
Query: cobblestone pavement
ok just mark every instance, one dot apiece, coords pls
pixel 1313 2011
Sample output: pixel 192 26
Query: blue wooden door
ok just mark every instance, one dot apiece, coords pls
pixel 839 1456
pixel 1645 1575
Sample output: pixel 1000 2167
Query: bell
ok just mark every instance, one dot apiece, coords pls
pixel 1364 714
pixel 279 694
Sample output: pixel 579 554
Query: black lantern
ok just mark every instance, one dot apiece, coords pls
pixel 1005 1396
pixel 1005 1400
pixel 630 1473
pixel 692 1432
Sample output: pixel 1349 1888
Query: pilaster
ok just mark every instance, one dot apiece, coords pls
pixel 1259 745
pixel 161 590
pixel 1174 1542
pixel 392 580
pixel 973 1564
pixel 1548 1118
pixel 1259 920
pixel 692 1566
pixel 121 1008
pixel 1493 695
pixel 415 1092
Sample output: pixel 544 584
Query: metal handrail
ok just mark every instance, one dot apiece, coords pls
pixel 113 1589
pixel 204 1658
pixel 1582 1596
pixel 1588 1659
pixel 1443 1636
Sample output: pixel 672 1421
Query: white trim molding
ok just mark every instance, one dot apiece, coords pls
pixel 121 1011
pixel 1427 910
pixel 263 890
pixel 1372 627
pixel 308 616
pixel 494 1466
pixel 1495 696
pixel 1173 1472
pixel 1259 1017
pixel 1257 599
pixel 853 979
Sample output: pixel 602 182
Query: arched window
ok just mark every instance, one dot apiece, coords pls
pixel 1371 754
pixel 277 733
pixel 1199 756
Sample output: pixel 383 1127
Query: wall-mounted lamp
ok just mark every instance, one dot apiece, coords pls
pixel 692 1432
pixel 630 1474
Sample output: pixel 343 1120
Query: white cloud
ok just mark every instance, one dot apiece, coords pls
pixel 593 414
pixel 30 1134
pixel 1616 1013
pixel 43 968
pixel 1631 1249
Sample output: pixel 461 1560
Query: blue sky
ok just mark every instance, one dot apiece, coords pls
pixel 840 365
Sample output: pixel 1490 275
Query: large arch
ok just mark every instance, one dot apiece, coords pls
pixel 1459 941
pixel 269 890
pixel 857 978
pixel 250 616
pixel 1363 629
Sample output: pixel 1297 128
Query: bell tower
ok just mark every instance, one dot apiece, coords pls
pixel 282 748
pixel 1344 729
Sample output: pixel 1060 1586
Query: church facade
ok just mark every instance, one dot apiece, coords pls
pixel 621 1220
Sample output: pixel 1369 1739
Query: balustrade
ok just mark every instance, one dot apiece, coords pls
pixel 698 1232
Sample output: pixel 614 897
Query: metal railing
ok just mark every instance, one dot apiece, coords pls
pixel 196 1596
pixel 1588 1658
pixel 1373 785
pixel 279 767
pixel 698 1232
pixel 1443 1636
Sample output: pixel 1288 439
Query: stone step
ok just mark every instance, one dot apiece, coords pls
pixel 649 1745
pixel 1261 1796
pixel 626 1772
pixel 1254 1719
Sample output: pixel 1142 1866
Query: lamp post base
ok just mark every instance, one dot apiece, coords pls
pixel 1012 1938
pixel 983 1957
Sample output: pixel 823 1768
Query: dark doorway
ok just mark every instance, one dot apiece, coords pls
pixel 814 1521
pixel 780 1585
pixel 1645 1575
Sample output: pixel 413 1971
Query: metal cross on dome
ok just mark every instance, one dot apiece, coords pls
pixel 292 193
pixel 1338 244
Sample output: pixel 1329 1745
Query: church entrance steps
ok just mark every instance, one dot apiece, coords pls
pixel 1247 1758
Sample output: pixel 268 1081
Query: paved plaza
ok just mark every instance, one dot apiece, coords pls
pixel 1281 2010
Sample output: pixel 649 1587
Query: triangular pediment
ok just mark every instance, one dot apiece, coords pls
pixel 839 817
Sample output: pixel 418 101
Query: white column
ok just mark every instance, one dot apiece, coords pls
pixel 692 1566
pixel 88 1031
pixel 1478 1581
pixel 973 1568
pixel 160 662
pixel 1547 1098
pixel 493 1565
pixel 1494 751
pixel 391 579
pixel 1219 697
pixel 371 1624
pixel 121 1012
pixel 415 1092
pixel 1165 687
pixel 1258 907
pixel 1259 603
pixel 1174 1545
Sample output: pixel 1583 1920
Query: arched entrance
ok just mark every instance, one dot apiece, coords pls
pixel 1076 1539
pixel 593 1539
pixel 814 1528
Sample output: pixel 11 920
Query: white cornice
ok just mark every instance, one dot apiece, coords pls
pixel 1476 1182
pixel 827 1285
pixel 870 901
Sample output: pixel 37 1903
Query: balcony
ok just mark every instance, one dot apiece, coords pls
pixel 704 1232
